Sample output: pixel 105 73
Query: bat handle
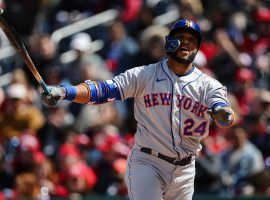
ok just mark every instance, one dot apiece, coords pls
pixel 44 87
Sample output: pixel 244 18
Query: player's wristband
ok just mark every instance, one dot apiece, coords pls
pixel 71 92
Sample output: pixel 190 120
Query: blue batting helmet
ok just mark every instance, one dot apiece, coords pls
pixel 172 43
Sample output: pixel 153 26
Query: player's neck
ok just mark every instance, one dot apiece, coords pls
pixel 178 68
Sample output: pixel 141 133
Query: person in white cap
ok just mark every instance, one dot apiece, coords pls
pixel 85 61
pixel 19 114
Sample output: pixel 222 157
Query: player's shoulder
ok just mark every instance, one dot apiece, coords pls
pixel 207 79
pixel 146 69
pixel 151 66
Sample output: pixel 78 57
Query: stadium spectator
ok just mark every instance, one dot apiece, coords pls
pixel 119 49
pixel 19 114
pixel 239 162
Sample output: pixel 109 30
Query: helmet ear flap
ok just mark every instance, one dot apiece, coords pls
pixel 171 44
pixel 188 25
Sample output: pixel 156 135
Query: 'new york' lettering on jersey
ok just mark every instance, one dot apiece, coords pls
pixel 183 102
pixel 170 110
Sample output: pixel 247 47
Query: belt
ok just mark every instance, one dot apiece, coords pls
pixel 175 161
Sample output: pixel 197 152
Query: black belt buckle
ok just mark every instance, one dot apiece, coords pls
pixel 177 160
pixel 183 162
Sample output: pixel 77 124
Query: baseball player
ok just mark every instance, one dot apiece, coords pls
pixel 174 103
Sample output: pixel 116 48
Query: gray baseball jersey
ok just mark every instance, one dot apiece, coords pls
pixel 171 110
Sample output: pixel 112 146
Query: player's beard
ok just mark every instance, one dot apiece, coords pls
pixel 181 60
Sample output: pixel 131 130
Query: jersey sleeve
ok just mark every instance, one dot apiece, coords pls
pixel 131 81
pixel 216 94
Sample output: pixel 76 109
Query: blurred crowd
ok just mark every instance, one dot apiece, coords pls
pixel 73 150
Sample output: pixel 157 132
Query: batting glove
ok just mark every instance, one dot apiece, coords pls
pixel 223 116
pixel 56 93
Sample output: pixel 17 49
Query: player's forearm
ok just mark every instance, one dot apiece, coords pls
pixel 79 93
pixel 95 92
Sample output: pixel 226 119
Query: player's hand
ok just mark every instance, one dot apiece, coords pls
pixel 223 116
pixel 56 93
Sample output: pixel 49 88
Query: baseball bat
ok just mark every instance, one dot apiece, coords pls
pixel 18 45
